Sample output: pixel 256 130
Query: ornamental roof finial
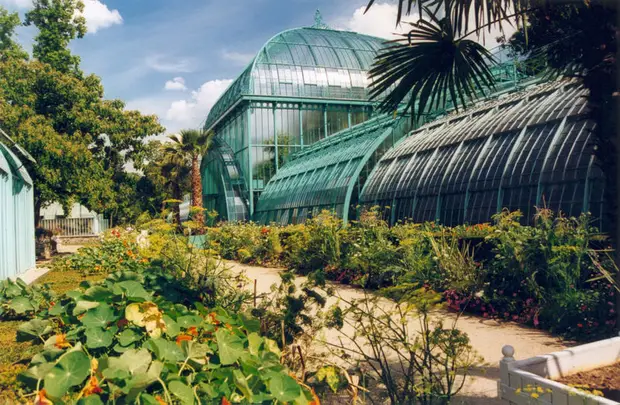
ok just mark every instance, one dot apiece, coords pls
pixel 318 21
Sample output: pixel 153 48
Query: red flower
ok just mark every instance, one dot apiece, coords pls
pixel 264 230
pixel 225 401
pixel 182 338
pixel 579 325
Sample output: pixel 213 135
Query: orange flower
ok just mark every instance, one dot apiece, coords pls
pixel 225 401
pixel 315 399
pixel 41 398
pixel 120 260
pixel 92 387
pixel 182 338
pixel 212 316
pixel 192 331
pixel 144 261
pixel 61 342
pixel 98 268
pixel 160 400
pixel 228 326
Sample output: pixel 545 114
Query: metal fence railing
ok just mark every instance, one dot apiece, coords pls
pixel 76 226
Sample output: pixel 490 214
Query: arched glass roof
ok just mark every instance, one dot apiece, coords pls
pixel 327 174
pixel 531 148
pixel 305 63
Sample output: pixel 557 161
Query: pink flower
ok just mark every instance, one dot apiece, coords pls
pixel 515 317
pixel 485 315
pixel 506 314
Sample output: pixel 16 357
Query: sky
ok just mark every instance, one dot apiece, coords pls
pixel 174 58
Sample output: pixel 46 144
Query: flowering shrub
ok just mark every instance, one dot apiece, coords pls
pixel 539 275
pixel 117 251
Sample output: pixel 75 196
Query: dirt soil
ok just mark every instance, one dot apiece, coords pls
pixel 604 379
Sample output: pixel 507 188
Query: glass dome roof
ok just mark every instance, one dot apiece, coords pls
pixel 305 63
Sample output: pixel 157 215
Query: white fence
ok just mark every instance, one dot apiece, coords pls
pixel 76 226
pixel 530 381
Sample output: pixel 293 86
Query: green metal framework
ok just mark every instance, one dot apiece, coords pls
pixel 527 149
pixel 328 174
pixel 304 85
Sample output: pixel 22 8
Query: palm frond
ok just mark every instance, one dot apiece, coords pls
pixel 429 67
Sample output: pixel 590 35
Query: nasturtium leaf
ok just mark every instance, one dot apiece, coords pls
pixel 194 350
pixel 70 370
pixel 90 400
pixel 35 373
pixel 82 306
pixel 76 295
pixel 134 361
pixel 134 290
pixel 21 305
pixel 254 341
pixel 128 336
pixel 172 328
pixel 139 382
pixel 97 337
pixel 242 384
pixel 34 329
pixel 230 346
pixel 283 387
pixel 165 350
pixel 58 309
pixel 134 314
pixel 101 316
pixel 113 373
pixel 98 293
pixel 182 391
pixel 272 346
pixel 209 390
pixel 188 321
pixel 250 324
pixel 330 375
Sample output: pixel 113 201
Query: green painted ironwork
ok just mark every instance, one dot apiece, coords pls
pixel 525 149
pixel 326 174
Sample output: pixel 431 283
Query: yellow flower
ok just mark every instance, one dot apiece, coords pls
pixel 540 389
pixel 535 395
pixel 518 391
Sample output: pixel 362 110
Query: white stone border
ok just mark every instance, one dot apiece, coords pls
pixel 31 275
pixel 535 372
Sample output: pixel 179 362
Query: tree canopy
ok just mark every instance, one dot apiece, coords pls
pixel 81 141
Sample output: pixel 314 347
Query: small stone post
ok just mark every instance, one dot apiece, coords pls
pixel 504 366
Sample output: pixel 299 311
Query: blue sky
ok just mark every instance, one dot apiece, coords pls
pixel 173 58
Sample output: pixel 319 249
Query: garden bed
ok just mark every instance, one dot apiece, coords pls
pixel 605 380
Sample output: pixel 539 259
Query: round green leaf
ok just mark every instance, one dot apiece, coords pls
pixel 100 316
pixel 230 346
pixel 21 305
pixel 283 387
pixel 128 336
pixel 97 338
pixel 182 391
pixel 90 400
pixel 71 370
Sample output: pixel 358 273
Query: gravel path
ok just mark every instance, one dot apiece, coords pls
pixel 487 336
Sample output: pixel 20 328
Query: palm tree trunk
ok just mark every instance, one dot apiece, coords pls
pixel 197 190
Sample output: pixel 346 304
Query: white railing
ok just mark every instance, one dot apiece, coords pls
pixel 531 381
pixel 76 226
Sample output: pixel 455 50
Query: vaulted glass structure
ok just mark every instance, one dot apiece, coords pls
pixel 303 86
pixel 529 149
pixel 296 133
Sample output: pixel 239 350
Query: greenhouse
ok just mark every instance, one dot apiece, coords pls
pixel 525 150
pixel 304 85
pixel 17 242
pixel 296 133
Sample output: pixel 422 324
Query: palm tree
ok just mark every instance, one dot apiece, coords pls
pixel 174 168
pixel 435 64
pixel 191 145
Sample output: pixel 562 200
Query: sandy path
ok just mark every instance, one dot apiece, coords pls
pixel 487 336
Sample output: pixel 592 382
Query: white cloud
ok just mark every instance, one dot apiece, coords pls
pixel 237 57
pixel 99 16
pixel 178 83
pixel 162 63
pixel 190 112
pixel 379 21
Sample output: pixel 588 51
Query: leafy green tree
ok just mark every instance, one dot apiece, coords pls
pixel 59 22
pixel 8 47
pixel 81 142
pixel 190 145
